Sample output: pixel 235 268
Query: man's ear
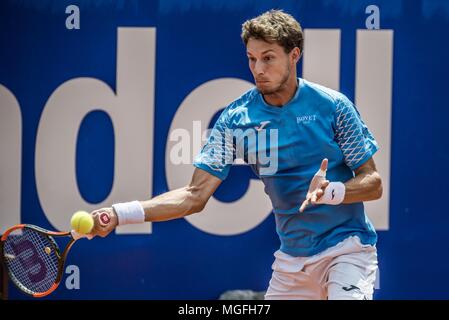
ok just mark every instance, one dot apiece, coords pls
pixel 296 54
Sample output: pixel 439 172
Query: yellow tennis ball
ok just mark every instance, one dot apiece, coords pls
pixel 82 222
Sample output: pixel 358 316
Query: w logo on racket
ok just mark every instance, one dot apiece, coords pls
pixel 33 259
pixel 28 257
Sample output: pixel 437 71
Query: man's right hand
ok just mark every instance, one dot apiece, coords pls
pixel 105 221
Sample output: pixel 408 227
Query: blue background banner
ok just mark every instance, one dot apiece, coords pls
pixel 198 41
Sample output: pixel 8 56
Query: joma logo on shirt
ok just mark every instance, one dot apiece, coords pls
pixel 305 119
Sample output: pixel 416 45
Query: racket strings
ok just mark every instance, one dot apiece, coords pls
pixel 31 259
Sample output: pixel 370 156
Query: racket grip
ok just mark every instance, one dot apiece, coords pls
pixel 77 235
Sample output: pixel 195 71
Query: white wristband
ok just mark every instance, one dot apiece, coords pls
pixel 333 194
pixel 129 212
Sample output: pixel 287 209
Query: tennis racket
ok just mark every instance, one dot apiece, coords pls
pixel 32 258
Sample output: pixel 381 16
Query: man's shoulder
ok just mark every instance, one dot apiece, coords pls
pixel 240 106
pixel 324 94
pixel 244 100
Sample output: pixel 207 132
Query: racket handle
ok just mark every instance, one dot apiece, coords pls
pixel 77 235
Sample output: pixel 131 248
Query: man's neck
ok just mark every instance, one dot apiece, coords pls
pixel 284 95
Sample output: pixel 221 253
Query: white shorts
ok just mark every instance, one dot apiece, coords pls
pixel 346 271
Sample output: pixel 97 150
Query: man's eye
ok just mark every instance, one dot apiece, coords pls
pixel 252 59
pixel 268 58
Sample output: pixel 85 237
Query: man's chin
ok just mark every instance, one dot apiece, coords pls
pixel 265 90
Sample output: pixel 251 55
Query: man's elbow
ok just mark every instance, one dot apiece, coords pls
pixel 378 190
pixel 197 207
pixel 196 204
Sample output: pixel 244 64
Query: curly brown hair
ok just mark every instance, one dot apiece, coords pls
pixel 274 26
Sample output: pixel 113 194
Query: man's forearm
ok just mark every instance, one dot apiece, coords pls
pixel 172 205
pixel 365 186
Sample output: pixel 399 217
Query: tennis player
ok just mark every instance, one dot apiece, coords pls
pixel 322 174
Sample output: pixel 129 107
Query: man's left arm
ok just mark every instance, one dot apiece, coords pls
pixel 356 144
pixel 365 186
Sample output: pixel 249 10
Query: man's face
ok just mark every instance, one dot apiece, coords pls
pixel 270 65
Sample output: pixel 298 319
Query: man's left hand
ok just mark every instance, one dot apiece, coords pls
pixel 317 187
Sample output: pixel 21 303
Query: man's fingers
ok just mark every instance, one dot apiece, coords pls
pixel 104 222
pixel 317 186
pixel 319 195
pixel 97 230
pixel 324 164
pixel 304 205
pixel 313 199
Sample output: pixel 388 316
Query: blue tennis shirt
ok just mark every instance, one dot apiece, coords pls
pixel 285 146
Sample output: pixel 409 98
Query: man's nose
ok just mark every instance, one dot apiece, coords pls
pixel 258 68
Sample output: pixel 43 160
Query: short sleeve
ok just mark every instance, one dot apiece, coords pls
pixel 352 135
pixel 217 155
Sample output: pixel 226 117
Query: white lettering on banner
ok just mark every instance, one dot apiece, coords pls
pixel 10 159
pixel 322 57
pixel 373 96
pixel 219 218
pixel 131 110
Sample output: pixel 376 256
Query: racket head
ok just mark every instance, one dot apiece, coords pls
pixel 33 259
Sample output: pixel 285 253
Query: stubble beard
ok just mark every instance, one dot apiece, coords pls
pixel 280 86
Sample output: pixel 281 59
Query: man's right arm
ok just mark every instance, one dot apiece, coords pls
pixel 184 201
pixel 174 204
pixel 211 168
